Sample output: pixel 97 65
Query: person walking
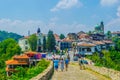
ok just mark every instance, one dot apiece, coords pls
pixel 81 63
pixel 66 63
pixel 62 64
pixel 56 64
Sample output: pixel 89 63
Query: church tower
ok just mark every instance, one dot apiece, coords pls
pixel 39 40
pixel 102 27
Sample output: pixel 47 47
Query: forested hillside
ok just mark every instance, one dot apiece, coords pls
pixel 4 35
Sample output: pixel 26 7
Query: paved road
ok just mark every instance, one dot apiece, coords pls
pixel 74 73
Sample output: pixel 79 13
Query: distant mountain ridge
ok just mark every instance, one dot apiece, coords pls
pixel 4 35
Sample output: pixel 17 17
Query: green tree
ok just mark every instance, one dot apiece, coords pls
pixel 50 41
pixel 62 36
pixel 116 41
pixel 33 42
pixel 109 35
pixel 89 33
pixel 118 45
pixel 44 43
pixel 5 35
pixel 8 48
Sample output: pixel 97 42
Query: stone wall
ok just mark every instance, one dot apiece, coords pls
pixel 46 74
pixel 113 74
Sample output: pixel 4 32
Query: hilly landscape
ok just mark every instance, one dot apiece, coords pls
pixel 5 35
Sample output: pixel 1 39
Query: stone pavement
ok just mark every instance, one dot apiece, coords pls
pixel 74 73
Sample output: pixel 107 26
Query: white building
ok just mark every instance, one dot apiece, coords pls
pixel 85 48
pixel 24 44
pixel 99 46
pixel 40 38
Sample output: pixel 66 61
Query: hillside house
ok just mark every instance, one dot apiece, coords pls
pixel 18 60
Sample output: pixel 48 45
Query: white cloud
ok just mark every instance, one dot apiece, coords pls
pixel 113 25
pixel 108 2
pixel 66 4
pixel 22 27
pixel 118 11
pixel 54 19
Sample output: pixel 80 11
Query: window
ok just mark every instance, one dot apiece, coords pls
pixel 39 42
pixel 83 49
pixel 26 42
pixel 10 66
pixel 89 49
pixel 80 49
pixel 26 48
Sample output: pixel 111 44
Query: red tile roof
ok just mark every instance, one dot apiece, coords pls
pixel 83 36
pixel 107 41
pixel 15 62
pixel 98 42
pixel 21 56
pixel 30 53
pixel 56 36
pixel 84 44
pixel 118 32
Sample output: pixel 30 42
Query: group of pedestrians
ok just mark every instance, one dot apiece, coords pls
pixel 62 63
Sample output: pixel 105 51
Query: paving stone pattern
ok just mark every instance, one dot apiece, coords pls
pixel 74 73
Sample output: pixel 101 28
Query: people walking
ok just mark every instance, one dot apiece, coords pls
pixel 66 63
pixel 62 64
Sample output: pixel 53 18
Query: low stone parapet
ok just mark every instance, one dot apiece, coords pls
pixel 46 74
pixel 113 74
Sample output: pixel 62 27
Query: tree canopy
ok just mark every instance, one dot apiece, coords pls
pixel 51 41
pixel 62 36
pixel 44 43
pixel 8 48
pixel 109 35
pixel 33 42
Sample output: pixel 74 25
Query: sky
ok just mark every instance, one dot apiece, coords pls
pixel 60 16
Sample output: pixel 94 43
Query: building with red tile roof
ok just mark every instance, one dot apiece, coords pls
pixel 18 60
pixel 85 48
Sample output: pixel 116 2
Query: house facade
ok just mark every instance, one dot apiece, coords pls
pixel 72 36
pixel 24 44
pixel 39 40
pixel 97 37
pixel 85 48
pixel 117 33
pixel 64 44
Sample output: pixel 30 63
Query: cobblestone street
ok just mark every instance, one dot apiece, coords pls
pixel 74 73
